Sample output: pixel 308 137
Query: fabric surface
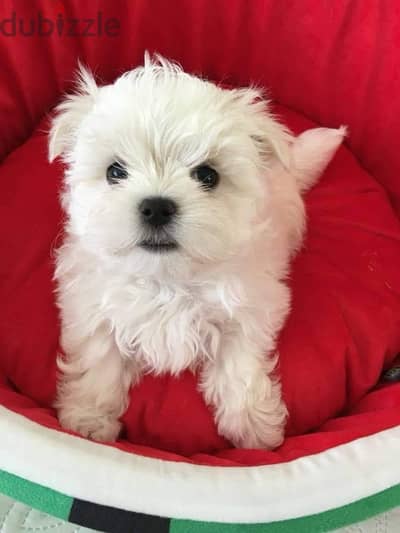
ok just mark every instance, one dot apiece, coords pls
pixel 16 517
pixel 344 329
pixel 383 523
pixel 363 481
pixel 337 63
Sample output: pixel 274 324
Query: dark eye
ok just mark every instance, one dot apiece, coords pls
pixel 207 176
pixel 116 172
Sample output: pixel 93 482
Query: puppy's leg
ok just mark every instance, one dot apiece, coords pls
pixel 93 388
pixel 248 405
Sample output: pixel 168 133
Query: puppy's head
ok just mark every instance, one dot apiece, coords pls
pixel 163 167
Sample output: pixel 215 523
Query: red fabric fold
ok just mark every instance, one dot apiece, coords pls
pixel 344 328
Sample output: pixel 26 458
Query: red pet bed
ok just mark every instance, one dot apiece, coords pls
pixel 325 65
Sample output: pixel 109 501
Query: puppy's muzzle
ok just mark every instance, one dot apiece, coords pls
pixel 157 215
pixel 157 211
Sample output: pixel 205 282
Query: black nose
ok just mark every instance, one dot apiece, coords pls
pixel 157 211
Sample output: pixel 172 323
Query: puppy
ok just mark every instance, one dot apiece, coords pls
pixel 183 208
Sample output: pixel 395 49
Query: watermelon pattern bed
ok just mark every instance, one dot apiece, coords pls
pixel 323 64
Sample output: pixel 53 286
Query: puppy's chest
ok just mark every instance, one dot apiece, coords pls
pixel 168 328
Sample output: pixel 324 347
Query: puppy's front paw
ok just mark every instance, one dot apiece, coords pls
pixel 259 424
pixel 96 427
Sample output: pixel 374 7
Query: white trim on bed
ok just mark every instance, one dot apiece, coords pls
pixel 105 475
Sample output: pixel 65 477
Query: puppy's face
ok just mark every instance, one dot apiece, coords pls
pixel 164 167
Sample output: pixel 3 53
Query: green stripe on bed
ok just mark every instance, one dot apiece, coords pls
pixel 327 521
pixel 36 496
pixel 59 505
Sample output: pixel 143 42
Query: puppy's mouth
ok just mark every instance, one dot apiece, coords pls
pixel 157 246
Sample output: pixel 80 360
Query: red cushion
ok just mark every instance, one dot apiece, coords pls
pixel 343 330
pixel 338 65
pixel 335 65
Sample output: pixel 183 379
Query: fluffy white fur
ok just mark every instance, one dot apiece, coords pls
pixel 217 303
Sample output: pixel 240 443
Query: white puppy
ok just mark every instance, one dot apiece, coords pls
pixel 184 206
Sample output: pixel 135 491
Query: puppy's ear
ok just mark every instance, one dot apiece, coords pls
pixel 272 139
pixel 312 151
pixel 70 112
